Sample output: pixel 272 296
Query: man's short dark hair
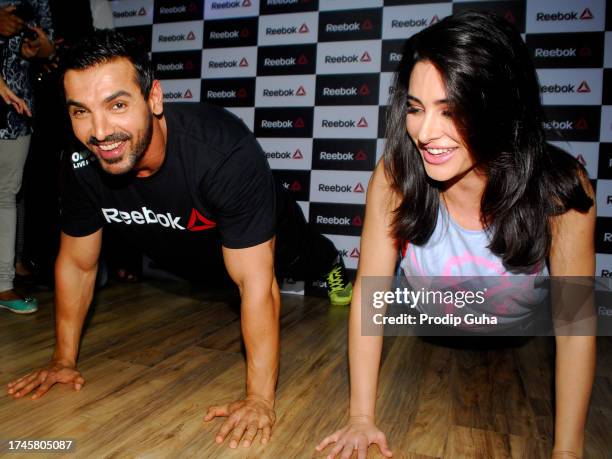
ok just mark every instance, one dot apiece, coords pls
pixel 105 45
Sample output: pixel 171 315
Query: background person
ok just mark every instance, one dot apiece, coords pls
pixel 26 34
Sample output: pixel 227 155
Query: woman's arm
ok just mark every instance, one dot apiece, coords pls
pixel 573 254
pixel 378 257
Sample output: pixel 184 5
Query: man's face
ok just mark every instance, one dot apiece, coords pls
pixel 109 114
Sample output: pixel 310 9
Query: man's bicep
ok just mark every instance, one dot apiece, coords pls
pixel 251 266
pixel 82 251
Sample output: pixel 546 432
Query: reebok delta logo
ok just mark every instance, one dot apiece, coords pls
pixel 145 216
pixel 297 154
pixel 583 87
pixel 362 123
pixel 567 125
pixel 225 64
pixel 190 36
pixel 410 23
pixel 360 24
pixel 178 95
pixel 129 13
pixel 287 30
pixel 360 155
pixel 300 91
pixel 346 27
pixel 198 222
pixel 358 188
pixel 348 59
pixel 173 9
pixel 173 66
pixel 282 124
pixel 339 221
pixel 230 4
pixel 560 16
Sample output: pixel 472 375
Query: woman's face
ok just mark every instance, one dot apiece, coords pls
pixel 430 126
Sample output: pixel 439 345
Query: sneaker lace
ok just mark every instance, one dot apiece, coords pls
pixel 335 280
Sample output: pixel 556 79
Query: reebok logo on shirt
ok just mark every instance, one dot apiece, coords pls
pixel 145 216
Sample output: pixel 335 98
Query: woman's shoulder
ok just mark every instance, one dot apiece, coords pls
pixel 381 189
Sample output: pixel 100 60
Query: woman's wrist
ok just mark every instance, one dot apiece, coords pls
pixel 566 454
pixel 361 418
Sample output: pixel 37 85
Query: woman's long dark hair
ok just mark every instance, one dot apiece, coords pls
pixel 493 95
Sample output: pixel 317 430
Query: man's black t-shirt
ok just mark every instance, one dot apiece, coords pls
pixel 214 187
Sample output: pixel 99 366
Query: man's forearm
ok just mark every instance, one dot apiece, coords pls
pixel 260 329
pixel 73 293
pixel 575 369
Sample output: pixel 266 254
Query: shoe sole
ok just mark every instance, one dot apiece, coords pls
pixel 340 304
pixel 18 312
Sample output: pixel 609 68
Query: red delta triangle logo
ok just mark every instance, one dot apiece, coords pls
pixel 302 60
pixel 586 14
pixel 243 62
pixel 581 160
pixel 241 93
pixel 434 19
pixel 245 33
pixel 304 29
pixel 193 8
pixel 300 91
pixel 188 65
pixel 361 156
pixel 354 253
pixel 357 221
pixel 142 12
pixel 582 124
pixel 296 186
pixel 358 188
pixel 366 24
pixel 299 123
pixel 188 94
pixel 584 87
pixel 365 57
pixel 362 123
pixel 510 17
pixel 297 155
pixel 585 51
pixel 191 36
pixel 364 90
pixel 198 222
pixel 246 3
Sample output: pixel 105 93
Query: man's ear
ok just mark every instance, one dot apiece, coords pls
pixel 156 98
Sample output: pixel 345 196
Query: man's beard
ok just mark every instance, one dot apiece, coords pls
pixel 134 155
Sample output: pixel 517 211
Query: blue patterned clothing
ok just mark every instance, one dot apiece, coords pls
pixel 15 69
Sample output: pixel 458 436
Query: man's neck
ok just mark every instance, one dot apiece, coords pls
pixel 154 156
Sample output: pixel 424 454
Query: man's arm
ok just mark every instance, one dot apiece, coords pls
pixel 252 269
pixel 75 275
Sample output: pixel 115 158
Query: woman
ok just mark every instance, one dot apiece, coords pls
pixel 19 45
pixel 467 170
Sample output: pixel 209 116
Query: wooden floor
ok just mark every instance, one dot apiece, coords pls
pixel 156 355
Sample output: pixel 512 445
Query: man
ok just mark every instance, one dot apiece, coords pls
pixel 183 182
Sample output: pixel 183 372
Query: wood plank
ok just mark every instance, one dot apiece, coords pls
pixel 156 355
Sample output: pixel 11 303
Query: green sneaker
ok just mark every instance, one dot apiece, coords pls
pixel 339 289
pixel 26 305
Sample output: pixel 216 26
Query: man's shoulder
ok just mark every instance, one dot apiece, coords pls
pixel 205 123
